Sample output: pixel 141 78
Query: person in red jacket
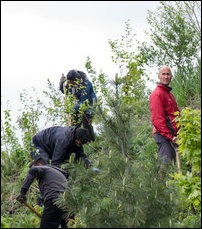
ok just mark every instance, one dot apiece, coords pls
pixel 162 108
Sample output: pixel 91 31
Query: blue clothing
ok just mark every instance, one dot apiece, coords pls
pixel 86 93
pixel 83 93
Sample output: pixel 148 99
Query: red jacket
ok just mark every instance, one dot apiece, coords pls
pixel 162 104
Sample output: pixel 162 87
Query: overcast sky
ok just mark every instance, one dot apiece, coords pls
pixel 43 39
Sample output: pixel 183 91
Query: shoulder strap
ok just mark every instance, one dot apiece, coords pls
pixel 169 125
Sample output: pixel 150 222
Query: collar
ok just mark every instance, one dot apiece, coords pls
pixel 166 86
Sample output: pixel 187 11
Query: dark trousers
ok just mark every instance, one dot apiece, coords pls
pixel 52 216
pixel 86 122
pixel 166 152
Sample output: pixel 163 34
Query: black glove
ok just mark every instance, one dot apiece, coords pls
pixel 21 198
pixel 87 163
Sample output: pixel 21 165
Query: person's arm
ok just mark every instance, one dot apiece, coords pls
pixel 61 84
pixel 86 162
pixel 80 155
pixel 33 173
pixel 93 96
pixel 158 116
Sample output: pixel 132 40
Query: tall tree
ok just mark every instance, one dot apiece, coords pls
pixel 175 41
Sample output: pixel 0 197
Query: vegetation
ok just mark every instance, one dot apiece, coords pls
pixel 126 193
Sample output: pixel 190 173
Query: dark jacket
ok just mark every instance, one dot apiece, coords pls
pixel 58 143
pixel 162 107
pixel 82 93
pixel 51 180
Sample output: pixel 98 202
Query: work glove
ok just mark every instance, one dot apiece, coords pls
pixel 62 79
pixel 95 169
pixel 87 163
pixel 21 198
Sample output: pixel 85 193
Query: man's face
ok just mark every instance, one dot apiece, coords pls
pixel 78 143
pixel 165 76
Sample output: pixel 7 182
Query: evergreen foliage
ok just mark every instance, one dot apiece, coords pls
pixel 125 194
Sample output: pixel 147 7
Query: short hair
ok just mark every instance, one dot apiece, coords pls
pixel 165 66
pixel 73 75
pixel 82 134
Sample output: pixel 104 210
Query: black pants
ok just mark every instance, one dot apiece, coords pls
pixel 52 216
pixel 86 122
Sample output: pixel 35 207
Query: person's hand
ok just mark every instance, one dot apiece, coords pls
pixel 62 79
pixel 95 170
pixel 21 198
pixel 174 139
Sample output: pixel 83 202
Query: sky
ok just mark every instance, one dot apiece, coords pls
pixel 40 40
